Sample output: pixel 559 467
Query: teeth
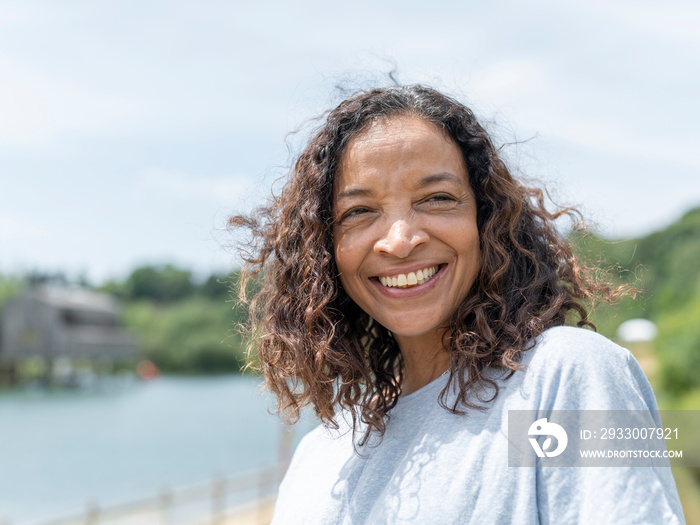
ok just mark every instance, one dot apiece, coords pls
pixel 403 280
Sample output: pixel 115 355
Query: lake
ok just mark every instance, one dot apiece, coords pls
pixel 126 440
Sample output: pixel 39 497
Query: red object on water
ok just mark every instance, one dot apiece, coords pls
pixel 147 370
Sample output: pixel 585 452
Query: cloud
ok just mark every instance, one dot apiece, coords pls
pixel 36 106
pixel 161 183
pixel 509 78
pixel 672 20
pixel 626 140
pixel 13 229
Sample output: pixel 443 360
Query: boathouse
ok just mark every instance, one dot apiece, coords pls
pixel 54 322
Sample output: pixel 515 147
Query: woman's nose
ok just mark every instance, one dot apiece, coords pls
pixel 400 239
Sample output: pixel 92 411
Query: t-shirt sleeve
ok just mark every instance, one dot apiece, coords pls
pixel 574 369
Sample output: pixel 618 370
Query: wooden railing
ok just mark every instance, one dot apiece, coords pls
pixel 245 498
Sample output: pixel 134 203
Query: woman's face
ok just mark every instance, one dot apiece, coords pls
pixel 405 235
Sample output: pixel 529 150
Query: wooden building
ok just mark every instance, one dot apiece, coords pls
pixel 52 322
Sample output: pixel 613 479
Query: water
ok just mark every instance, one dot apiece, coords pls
pixel 59 450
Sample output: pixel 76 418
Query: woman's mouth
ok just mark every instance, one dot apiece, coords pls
pixel 407 280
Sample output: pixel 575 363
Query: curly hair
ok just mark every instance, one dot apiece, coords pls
pixel 315 346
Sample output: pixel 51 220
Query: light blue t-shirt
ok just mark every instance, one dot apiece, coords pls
pixel 435 467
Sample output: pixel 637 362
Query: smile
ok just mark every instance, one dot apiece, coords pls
pixel 406 280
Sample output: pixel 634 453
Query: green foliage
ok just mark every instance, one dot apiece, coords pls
pixel 160 283
pixel 112 287
pixel 183 327
pixel 665 265
pixel 608 317
pixel 678 347
pixel 615 263
pixel 672 256
pixel 217 287
pixel 167 284
pixel 673 282
pixel 191 336
pixel 690 400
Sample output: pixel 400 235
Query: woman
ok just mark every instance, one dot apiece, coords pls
pixel 413 293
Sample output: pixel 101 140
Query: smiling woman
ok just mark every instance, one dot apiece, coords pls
pixel 414 293
pixel 405 236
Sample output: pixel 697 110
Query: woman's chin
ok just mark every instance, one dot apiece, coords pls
pixel 404 332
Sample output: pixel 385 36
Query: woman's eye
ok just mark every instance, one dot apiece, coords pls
pixel 355 212
pixel 440 197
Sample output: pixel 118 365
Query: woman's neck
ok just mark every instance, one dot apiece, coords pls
pixel 424 359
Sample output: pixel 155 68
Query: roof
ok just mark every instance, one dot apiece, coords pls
pixel 74 299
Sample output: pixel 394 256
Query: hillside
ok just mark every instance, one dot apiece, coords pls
pixel 664 265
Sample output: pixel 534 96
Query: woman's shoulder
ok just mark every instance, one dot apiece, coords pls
pixel 327 435
pixel 583 369
pixel 569 343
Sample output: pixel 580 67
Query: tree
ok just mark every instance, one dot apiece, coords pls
pixel 160 283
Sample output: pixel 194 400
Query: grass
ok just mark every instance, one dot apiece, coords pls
pixel 687 478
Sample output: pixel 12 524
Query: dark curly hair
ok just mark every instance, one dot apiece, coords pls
pixel 316 346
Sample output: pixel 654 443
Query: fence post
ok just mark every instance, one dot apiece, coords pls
pixel 165 502
pixel 263 481
pixel 218 500
pixel 92 514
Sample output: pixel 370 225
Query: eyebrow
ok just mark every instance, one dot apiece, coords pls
pixel 354 192
pixel 439 177
pixel 425 181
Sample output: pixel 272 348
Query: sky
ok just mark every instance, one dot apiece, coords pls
pixel 130 131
